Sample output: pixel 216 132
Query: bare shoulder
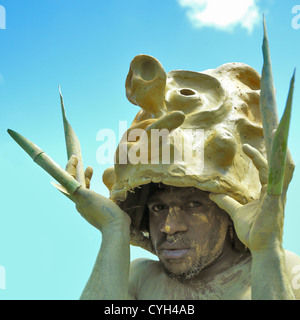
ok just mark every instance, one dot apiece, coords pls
pixel 139 270
pixel 292 262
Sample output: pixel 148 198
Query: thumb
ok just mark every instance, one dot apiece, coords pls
pixel 226 203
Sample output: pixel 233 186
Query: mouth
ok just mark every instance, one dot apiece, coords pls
pixel 174 254
pixel 171 252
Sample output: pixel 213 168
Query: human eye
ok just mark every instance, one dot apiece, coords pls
pixel 194 204
pixel 157 207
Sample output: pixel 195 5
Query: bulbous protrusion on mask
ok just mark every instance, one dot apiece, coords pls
pixel 221 148
pixel 146 83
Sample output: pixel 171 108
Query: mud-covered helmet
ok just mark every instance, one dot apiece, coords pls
pixel 209 116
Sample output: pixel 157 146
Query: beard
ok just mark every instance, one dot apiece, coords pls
pixel 197 266
pixel 191 272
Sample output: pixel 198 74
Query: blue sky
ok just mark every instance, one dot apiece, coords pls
pixel 46 249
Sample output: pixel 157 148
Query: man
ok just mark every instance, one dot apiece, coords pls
pixel 192 238
pixel 213 219
pixel 217 232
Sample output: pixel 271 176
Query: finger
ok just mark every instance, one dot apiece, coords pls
pixel 226 203
pixel 88 176
pixel 259 161
pixel 71 166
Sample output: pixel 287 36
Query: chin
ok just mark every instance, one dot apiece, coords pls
pixel 188 268
pixel 183 275
pixel 183 270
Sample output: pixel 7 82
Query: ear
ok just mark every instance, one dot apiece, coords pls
pixel 145 84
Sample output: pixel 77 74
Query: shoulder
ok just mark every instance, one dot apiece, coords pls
pixel 141 267
pixel 139 270
pixel 292 262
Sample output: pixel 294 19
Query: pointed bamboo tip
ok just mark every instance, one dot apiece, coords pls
pixel 292 83
pixel 62 103
pixel 32 149
pixel 13 134
pixel 265 28
pixel 60 94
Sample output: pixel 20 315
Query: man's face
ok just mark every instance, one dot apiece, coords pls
pixel 187 230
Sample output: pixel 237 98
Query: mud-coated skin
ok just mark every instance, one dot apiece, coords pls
pixel 148 281
pixel 192 237
pixel 176 213
pixel 223 102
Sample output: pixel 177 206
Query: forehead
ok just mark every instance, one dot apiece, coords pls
pixel 179 193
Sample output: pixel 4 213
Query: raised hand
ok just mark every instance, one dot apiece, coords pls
pixel 258 224
pixel 98 210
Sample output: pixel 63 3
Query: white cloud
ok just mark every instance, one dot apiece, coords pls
pixel 222 14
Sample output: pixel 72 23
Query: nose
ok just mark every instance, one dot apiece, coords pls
pixel 174 222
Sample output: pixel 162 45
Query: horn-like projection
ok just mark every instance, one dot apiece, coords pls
pixel 44 161
pixel 169 121
pixel 279 147
pixel 280 162
pixel 267 102
pixel 72 144
pixel 146 83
